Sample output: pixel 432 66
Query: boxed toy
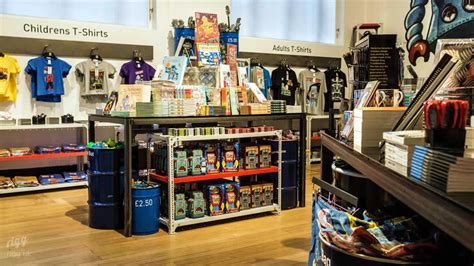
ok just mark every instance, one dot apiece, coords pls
pixel 215 199
pixel 212 158
pixel 180 163
pixel 180 206
pixel 196 204
pixel 250 157
pixel 257 195
pixel 267 194
pixel 232 197
pixel 230 157
pixel 264 156
pixel 196 162
pixel 245 197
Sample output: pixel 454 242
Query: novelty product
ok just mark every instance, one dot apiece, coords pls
pixel 212 158
pixel 267 194
pixel 180 207
pixel 196 162
pixel 257 195
pixel 196 205
pixel 264 156
pixel 230 160
pixel 215 197
pixel 232 197
pixel 180 163
pixel 250 157
pixel 245 197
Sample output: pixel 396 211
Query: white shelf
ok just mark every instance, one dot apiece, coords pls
pixel 47 126
pixel 222 136
pixel 205 219
pixel 42 187
pixel 322 116
pixel 315 160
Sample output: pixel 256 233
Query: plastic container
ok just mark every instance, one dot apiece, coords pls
pixel 106 215
pixel 230 38
pixel 104 160
pixel 146 209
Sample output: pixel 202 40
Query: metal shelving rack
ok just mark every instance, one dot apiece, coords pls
pixel 172 142
pixel 310 138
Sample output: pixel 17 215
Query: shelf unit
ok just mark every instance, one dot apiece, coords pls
pixel 44 156
pixel 173 141
pixel 42 187
pixel 310 138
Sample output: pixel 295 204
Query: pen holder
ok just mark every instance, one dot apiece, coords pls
pixel 449 140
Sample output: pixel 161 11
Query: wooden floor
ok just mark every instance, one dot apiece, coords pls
pixel 51 228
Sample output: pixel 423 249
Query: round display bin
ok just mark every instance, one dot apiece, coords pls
pixel 146 209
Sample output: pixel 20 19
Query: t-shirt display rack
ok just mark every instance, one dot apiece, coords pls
pixel 133 125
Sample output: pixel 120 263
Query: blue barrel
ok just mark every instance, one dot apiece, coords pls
pixel 105 160
pixel 187 33
pixel 104 215
pixel 146 209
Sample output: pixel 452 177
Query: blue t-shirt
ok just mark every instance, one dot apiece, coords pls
pixel 267 80
pixel 47 78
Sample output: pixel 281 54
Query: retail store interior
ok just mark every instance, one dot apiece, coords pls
pixel 240 132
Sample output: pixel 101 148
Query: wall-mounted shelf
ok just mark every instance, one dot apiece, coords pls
pixel 44 156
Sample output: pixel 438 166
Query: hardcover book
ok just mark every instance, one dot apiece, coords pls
pixel 207 30
pixel 208 53
pixel 175 66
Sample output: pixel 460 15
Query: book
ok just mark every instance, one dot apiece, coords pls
pixel 208 53
pixel 185 47
pixel 175 66
pixel 225 79
pixel 407 137
pixel 129 95
pixel 206 30
pixel 257 93
pixel 234 107
pixel 242 76
pixel 232 62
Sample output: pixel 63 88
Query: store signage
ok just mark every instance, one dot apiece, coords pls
pixel 291 48
pixel 77 31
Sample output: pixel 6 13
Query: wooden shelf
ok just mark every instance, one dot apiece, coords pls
pixel 242 172
pixel 44 156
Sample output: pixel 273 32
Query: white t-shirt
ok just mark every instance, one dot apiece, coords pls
pixel 314 86
pixel 95 75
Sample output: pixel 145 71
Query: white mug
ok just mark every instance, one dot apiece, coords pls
pixel 388 98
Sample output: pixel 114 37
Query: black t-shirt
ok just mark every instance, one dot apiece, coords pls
pixel 336 86
pixel 284 84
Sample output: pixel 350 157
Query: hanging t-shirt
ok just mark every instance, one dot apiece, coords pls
pixel 135 71
pixel 94 75
pixel 258 78
pixel 9 69
pixel 47 75
pixel 314 86
pixel 336 83
pixel 267 80
pixel 284 84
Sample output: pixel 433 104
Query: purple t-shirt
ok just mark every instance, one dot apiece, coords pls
pixel 133 72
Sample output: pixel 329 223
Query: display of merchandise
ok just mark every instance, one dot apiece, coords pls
pixel 51 179
pixel 9 71
pixel 191 76
pixel 206 30
pixel 225 79
pixel 232 197
pixel 25 181
pixel 6 182
pixel 71 177
pixel 47 73
pixel 180 206
pixel 336 83
pixel 94 75
pixel 245 197
pixel 230 153
pixel 264 156
pixel 136 71
pixel 20 151
pixel 5 153
pixel 314 87
pixel 250 156
pixel 208 53
pixel 257 195
pixel 212 156
pixel 209 76
pixel 267 194
pixel 232 62
pixel 47 149
pixel 399 148
pixel 258 77
pixel 215 196
pixel 67 119
pixel 284 84
pixel 196 205
pixel 277 106
pixel 174 68
pixel 181 163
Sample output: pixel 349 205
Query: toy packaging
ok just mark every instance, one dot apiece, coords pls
pixel 264 156
pixel 232 197
pixel 212 158
pixel 216 199
pixel 196 162
pixel 180 206
pixel 250 154
pixel 51 179
pixel 245 197
pixel 180 163
pixel 71 177
pixel 230 157
pixel 196 204
pixel 257 195
pixel 267 194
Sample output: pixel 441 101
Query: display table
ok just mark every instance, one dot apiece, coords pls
pixel 452 213
pixel 134 125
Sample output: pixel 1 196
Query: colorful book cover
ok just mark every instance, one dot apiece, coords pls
pixel 232 62
pixel 234 107
pixel 207 30
pixel 208 53
pixel 175 66
pixel 225 79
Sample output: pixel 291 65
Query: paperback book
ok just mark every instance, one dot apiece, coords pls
pixel 175 66
pixel 207 30
pixel 208 53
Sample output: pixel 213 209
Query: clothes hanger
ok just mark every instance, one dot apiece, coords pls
pixel 137 56
pixel 47 52
pixel 94 55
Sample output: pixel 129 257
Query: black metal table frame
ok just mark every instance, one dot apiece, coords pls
pixel 130 127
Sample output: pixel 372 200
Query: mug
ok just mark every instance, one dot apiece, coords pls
pixel 388 98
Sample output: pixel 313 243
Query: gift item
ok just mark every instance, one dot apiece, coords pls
pixel 180 163
pixel 230 158
pixel 257 195
pixel 216 198
pixel 196 162
pixel 6 182
pixel 212 158
pixel 50 179
pixel 71 177
pixel 26 181
pixel 73 147
pixel 264 156
pixel 47 149
pixel 267 194
pixel 180 207
pixel 4 153
pixel 250 154
pixel 19 151
pixel 67 119
pixel 39 119
pixel 245 197
pixel 196 205
pixel 232 197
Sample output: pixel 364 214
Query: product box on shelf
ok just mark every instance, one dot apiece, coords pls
pixel 250 156
pixel 180 206
pixel 267 194
pixel 71 177
pixel 180 163
pixel 215 196
pixel 196 204
pixel 230 157
pixel 257 195
pixel 232 197
pixel 212 158
pixel 264 156
pixel 245 197
pixel 196 162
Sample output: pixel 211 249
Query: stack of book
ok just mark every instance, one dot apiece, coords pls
pixel 399 148
pixel 371 122
pixel 442 171
pixel 259 108
pixel 278 106
pixel 161 108
pixel 144 109
pixel 469 149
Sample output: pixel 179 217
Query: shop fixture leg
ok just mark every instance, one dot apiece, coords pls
pixel 302 161
pixel 128 179
pixel 279 136
pixel 171 197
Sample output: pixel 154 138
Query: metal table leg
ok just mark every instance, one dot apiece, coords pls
pixel 302 161
pixel 128 179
